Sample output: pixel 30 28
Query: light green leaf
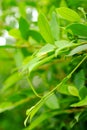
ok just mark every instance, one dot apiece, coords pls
pixel 61 44
pixel 68 90
pixel 32 111
pixel 68 14
pixel 78 49
pixel 46 49
pixel 54 25
pixel 81 103
pixel 15 33
pixel 52 102
pixel 45 28
pixel 73 91
pixel 78 29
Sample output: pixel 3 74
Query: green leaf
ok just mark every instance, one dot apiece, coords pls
pixel 15 33
pixel 54 25
pixel 24 27
pixel 62 44
pixel 46 49
pixel 68 14
pixel 18 56
pixel 79 79
pixel 68 90
pixel 11 80
pixel 45 28
pixel 73 91
pixel 78 29
pixel 32 111
pixel 81 103
pixel 78 49
pixel 36 35
pixel 52 102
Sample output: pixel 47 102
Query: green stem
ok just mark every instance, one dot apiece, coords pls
pixel 30 84
pixel 65 79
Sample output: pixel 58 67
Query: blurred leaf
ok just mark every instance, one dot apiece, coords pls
pixel 15 33
pixel 23 27
pixel 81 103
pixel 54 25
pixel 83 92
pixel 68 14
pixel 11 80
pixel 46 49
pixel 52 102
pixel 68 90
pixel 63 3
pixel 73 91
pixel 7 105
pixel 78 29
pixel 45 28
pixel 79 79
pixel 36 35
pixel 78 49
pixel 18 56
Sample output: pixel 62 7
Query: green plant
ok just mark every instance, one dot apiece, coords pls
pixel 49 74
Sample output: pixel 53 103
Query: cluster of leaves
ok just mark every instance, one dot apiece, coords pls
pixel 46 71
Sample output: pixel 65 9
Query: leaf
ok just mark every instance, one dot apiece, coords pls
pixel 18 56
pixel 52 102
pixel 36 35
pixel 15 33
pixel 81 103
pixel 79 79
pixel 78 49
pixel 83 92
pixel 8 105
pixel 32 111
pixel 62 44
pixel 45 28
pixel 73 91
pixel 78 29
pixel 68 90
pixel 68 14
pixel 24 28
pixel 54 25
pixel 46 49
pixel 11 80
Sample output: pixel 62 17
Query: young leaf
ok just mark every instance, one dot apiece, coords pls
pixel 78 49
pixel 54 25
pixel 52 102
pixel 78 29
pixel 45 28
pixel 68 14
pixel 73 91
pixel 32 111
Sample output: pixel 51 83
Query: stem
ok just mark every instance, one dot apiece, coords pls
pixel 30 84
pixel 65 79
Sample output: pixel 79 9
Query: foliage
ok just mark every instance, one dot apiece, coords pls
pixel 43 65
